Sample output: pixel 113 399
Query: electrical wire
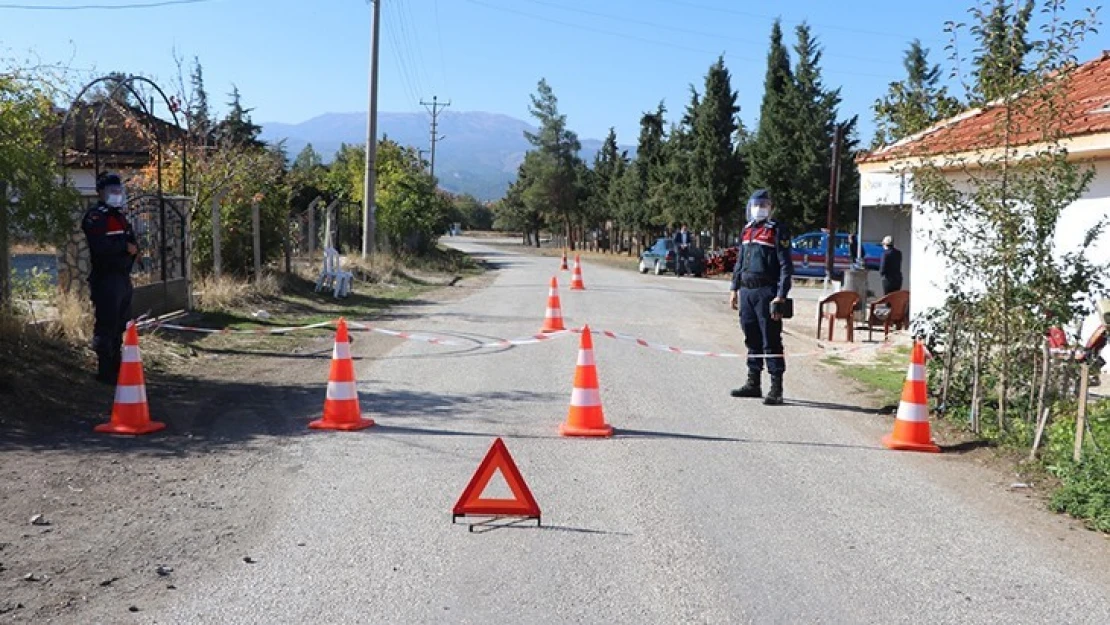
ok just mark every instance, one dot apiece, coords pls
pixel 408 81
pixel 98 7
pixel 410 35
pixel 442 56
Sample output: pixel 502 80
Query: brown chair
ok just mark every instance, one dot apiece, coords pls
pixel 846 302
pixel 892 310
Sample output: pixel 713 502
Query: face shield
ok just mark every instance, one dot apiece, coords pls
pixel 759 209
pixel 114 195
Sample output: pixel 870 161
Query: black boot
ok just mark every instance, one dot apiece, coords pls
pixel 774 396
pixel 107 369
pixel 750 388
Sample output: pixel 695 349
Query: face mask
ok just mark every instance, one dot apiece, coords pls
pixel 759 213
pixel 115 200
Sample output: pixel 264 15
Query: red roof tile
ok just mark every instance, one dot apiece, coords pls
pixel 1085 110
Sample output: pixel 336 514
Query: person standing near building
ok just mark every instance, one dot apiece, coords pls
pixel 112 252
pixel 890 267
pixel 761 281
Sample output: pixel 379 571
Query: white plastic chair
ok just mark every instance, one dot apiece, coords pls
pixel 333 277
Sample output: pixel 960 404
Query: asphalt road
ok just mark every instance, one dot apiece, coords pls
pixel 702 509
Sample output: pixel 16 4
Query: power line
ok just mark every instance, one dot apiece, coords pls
pixel 408 81
pixel 97 7
pixel 411 35
pixel 689 31
pixel 439 39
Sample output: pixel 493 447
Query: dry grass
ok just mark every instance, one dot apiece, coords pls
pixel 377 269
pixel 228 293
pixel 75 318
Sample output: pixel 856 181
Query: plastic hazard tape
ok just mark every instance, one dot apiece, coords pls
pixel 529 340
pixel 181 328
pixel 408 336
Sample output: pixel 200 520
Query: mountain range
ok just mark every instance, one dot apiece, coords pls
pixel 479 155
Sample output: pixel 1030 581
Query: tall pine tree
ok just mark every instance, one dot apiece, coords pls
pixel 772 165
pixel 720 174
pixel 914 103
pixel 554 187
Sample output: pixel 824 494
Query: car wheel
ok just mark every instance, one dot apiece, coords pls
pixel 643 267
pixel 658 268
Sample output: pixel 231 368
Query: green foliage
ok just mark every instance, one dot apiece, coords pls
pixel 553 166
pixel 473 215
pixel 28 166
pixel 1001 34
pixel 1085 489
pixel 916 102
pixel 411 214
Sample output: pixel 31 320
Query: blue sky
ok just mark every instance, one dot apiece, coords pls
pixel 608 60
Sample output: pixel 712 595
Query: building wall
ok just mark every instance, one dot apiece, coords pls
pixel 886 204
pixel 930 273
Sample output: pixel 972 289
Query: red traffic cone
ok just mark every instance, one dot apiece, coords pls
pixel 585 417
pixel 341 407
pixel 553 317
pixel 130 412
pixel 563 266
pixel 911 425
pixel 576 283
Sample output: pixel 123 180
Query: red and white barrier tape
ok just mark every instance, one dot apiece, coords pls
pixel 530 340
pixel 408 336
pixel 690 352
pixel 181 328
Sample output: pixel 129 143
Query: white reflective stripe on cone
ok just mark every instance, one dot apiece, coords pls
pixel 131 394
pixel 916 373
pixel 554 313
pixel 130 353
pixel 912 412
pixel 342 390
pixel 342 351
pixel 586 357
pixel 585 397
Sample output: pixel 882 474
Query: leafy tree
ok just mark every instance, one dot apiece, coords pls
pixel 914 103
pixel 475 215
pixel 638 214
pixel 197 113
pixel 1001 33
pixel 306 179
pixel 31 199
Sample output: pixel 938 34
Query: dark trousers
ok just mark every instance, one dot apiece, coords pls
pixel 681 262
pixel 891 284
pixel 111 298
pixel 762 335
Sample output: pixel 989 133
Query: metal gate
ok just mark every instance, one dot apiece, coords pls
pixel 161 274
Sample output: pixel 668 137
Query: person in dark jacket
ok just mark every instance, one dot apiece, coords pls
pixel 682 240
pixel 890 267
pixel 761 280
pixel 112 252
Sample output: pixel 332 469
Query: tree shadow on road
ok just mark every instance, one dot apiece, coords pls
pixel 886 410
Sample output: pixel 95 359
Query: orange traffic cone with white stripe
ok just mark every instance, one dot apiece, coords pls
pixel 553 317
pixel 563 267
pixel 911 425
pixel 576 283
pixel 586 417
pixel 341 407
pixel 130 412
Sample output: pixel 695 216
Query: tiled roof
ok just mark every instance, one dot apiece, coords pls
pixel 1085 110
pixel 126 135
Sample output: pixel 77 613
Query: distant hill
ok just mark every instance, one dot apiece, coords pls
pixel 480 154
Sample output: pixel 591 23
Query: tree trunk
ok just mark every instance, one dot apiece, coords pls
pixel 949 358
pixel 976 394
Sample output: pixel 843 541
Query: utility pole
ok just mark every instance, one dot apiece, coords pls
pixel 369 209
pixel 834 201
pixel 435 110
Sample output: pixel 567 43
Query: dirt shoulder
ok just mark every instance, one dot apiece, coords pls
pixel 126 522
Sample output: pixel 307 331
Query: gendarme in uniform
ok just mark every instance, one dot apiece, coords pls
pixel 762 276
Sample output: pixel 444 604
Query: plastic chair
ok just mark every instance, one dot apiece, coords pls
pixel 846 302
pixel 893 310
pixel 333 277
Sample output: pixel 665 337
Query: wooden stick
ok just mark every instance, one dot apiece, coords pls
pixel 1081 419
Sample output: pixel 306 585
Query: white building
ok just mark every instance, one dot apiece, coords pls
pixel 887 205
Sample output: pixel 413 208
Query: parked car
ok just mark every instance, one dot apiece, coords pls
pixel 660 258
pixel 809 254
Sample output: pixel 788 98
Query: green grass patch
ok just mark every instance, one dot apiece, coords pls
pixel 884 376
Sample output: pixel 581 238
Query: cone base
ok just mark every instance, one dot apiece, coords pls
pixel 550 330
pixel 891 443
pixel 344 426
pixel 571 430
pixel 577 288
pixel 131 430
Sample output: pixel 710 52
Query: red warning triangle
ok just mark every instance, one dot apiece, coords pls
pixel 521 505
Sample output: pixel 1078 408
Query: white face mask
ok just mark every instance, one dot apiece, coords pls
pixel 115 200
